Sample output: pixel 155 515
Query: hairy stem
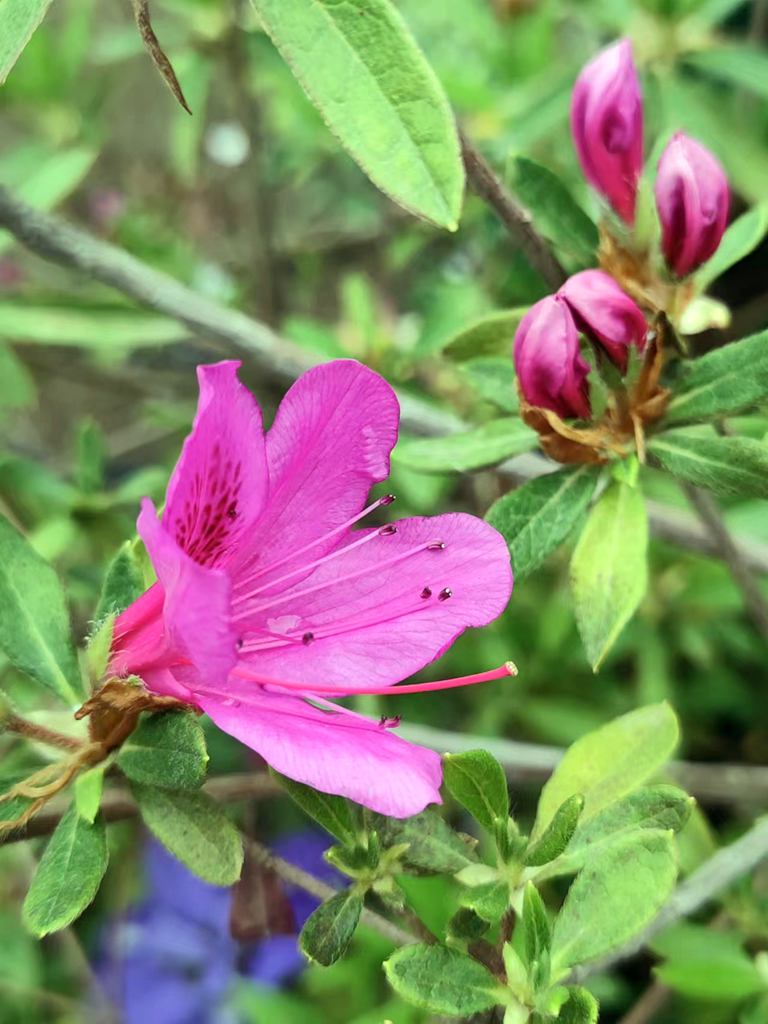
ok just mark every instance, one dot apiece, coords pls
pixel 40 734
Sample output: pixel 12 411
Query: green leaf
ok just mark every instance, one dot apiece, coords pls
pixel 91 456
pixel 556 214
pixel 96 328
pixel 651 807
pixel 581 1007
pixel 610 762
pixel 329 929
pixel 433 846
pixel 360 66
pixel 493 379
pixel 123 583
pixel 726 380
pixel 744 235
pixel 744 66
pixel 466 925
pixel 484 446
pixel 716 978
pixel 489 900
pixel 537 934
pixel 89 786
pixel 34 624
pixel 442 980
pixel 725 465
pixel 333 813
pixel 557 834
pixel 18 21
pixel 68 875
pixel 535 518
pixel 609 568
pixel 195 830
pixel 166 750
pixel 614 897
pixel 477 780
pixel 492 335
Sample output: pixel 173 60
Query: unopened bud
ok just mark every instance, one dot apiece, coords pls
pixel 606 314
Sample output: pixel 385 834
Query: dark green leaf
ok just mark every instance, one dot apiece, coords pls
pixel 68 875
pixel 556 214
pixel 329 929
pixel 442 980
pixel 334 813
pixel 484 446
pixel 433 846
pixel 467 925
pixel 477 780
pixel 726 380
pixel 166 750
pixel 744 235
pixel 123 583
pixel 493 335
pixel 34 625
pixel 609 568
pixel 535 518
pixel 581 1007
pixel 361 68
pixel 18 20
pixel 489 900
pixel 725 465
pixel 610 762
pixel 557 834
pixel 614 897
pixel 195 829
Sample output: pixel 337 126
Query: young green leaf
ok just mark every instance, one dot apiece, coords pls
pixel 166 750
pixel 123 583
pixel 556 214
pixel 557 834
pixel 744 235
pixel 537 934
pixel 609 569
pixel 88 789
pixel 580 1008
pixel 725 465
pixel 433 846
pixel 614 897
pixel 477 780
pixel 538 516
pixel 492 335
pixel 610 762
pixel 359 65
pixel 195 830
pixel 329 929
pixel 18 20
pixel 726 380
pixel 442 980
pixel 483 446
pixel 68 876
pixel 34 625
pixel 333 813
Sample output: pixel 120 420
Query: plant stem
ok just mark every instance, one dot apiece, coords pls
pixel 654 999
pixel 39 733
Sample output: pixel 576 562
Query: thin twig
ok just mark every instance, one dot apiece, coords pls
pixel 39 733
pixel 654 999
pixel 515 217
pixel 230 331
pixel 754 600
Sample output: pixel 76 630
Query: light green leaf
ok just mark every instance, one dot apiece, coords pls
pixel 477 780
pixel 166 750
pixel 726 380
pixel 17 386
pixel 484 446
pixel 493 379
pixel 744 66
pixel 538 516
pixel 68 876
pixel 725 465
pixel 18 20
pixel 492 335
pixel 360 66
pixel 96 328
pixel 333 813
pixel 614 897
pixel 537 934
pixel 610 762
pixel 195 829
pixel 704 313
pixel 123 583
pixel 329 929
pixel 716 979
pixel 89 786
pixel 489 900
pixel 34 625
pixel 442 980
pixel 581 1007
pixel 556 214
pixel 609 568
pixel 744 235
pixel 433 846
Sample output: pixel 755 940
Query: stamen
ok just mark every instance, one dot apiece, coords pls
pixel 307 639
pixel 507 669
pixel 444 594
pixel 426 592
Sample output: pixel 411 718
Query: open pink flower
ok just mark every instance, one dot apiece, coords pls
pixel 268 602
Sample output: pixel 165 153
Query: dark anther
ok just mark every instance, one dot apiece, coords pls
pixel 232 511
pixel 387 499
pixel 307 639
pixel 387 531
pixel 444 594
pixel 426 592
pixel 436 545
pixel 239 643
pixel 389 723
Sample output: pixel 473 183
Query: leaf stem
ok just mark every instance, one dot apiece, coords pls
pixel 40 734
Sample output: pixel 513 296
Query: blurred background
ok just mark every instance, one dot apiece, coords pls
pixel 252 204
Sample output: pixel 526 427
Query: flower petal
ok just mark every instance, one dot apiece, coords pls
pixel 219 486
pixel 375 613
pixel 200 638
pixel 333 751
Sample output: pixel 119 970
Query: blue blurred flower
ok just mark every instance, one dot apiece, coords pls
pixel 171 957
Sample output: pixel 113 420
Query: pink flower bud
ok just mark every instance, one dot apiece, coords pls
pixel 550 368
pixel 607 126
pixel 605 313
pixel 692 198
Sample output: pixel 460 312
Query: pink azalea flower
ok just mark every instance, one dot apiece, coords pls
pixel 268 602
